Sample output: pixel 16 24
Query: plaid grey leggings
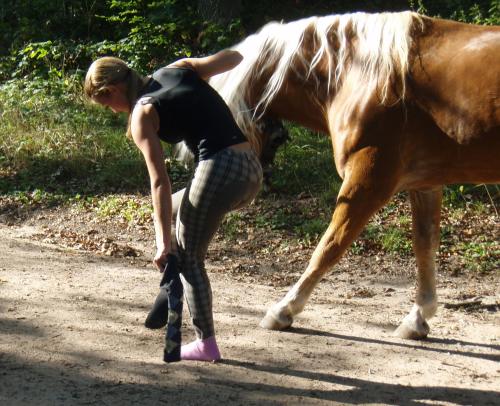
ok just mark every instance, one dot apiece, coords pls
pixel 226 181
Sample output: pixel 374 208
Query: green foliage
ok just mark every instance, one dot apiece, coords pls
pixel 230 226
pixel 162 31
pixel 36 197
pixel 25 21
pixel 471 195
pixel 147 34
pixel 311 230
pixel 480 256
pixel 153 30
pixel 396 240
pixel 53 59
pixel 302 164
pixel 470 11
pixel 42 59
pixel 388 231
pixel 129 209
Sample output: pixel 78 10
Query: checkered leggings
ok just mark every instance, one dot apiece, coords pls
pixel 226 181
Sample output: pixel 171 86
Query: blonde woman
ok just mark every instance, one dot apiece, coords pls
pixel 176 104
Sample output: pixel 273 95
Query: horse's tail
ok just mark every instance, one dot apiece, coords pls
pixel 182 154
pixel 253 137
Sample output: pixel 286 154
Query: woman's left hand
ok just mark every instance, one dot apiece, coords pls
pixel 183 63
pixel 212 65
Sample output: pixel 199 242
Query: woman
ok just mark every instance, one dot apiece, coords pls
pixel 176 104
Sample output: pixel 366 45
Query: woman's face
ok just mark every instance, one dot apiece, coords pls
pixel 115 98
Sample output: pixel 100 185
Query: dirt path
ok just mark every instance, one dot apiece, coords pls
pixel 71 334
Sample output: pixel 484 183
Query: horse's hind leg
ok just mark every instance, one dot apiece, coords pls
pixel 426 213
pixel 361 195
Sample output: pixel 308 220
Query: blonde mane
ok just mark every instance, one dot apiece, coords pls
pixel 374 47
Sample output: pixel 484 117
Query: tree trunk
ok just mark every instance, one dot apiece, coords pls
pixel 219 11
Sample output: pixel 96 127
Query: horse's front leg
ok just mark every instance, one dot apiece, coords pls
pixel 426 213
pixel 362 194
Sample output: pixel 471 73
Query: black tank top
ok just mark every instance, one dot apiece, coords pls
pixel 191 110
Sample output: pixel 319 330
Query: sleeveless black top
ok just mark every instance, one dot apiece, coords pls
pixel 190 110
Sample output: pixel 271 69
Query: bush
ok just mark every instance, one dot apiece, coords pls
pixel 150 34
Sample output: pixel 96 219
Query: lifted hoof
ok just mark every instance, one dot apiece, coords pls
pixel 272 321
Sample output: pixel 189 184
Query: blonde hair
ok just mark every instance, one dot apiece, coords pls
pixel 107 71
pixel 371 50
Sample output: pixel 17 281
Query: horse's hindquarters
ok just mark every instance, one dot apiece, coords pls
pixel 454 84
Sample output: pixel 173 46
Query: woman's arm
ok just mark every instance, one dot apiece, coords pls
pixel 144 127
pixel 211 65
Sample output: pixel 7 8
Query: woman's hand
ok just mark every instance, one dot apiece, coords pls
pixel 160 259
pixel 144 127
pixel 211 65
pixel 183 63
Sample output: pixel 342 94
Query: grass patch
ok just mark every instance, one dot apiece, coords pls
pixel 52 140
pixel 127 208
pixel 310 231
pixel 231 226
pixel 55 145
pixel 392 236
pixel 480 256
pixel 395 240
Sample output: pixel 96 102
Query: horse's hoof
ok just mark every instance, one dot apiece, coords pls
pixel 272 321
pixel 412 331
pixel 413 326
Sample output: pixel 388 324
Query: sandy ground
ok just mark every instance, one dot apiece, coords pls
pixel 71 333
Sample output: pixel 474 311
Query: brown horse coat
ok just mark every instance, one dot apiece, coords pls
pixel 410 103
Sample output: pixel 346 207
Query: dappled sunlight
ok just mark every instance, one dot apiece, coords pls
pixel 71 329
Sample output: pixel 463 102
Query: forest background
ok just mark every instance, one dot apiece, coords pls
pixel 56 149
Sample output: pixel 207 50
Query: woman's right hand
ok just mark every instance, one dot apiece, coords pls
pixel 144 128
pixel 160 259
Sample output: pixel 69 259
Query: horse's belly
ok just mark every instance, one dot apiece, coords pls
pixel 433 159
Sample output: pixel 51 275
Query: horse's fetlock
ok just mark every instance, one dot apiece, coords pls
pixel 427 305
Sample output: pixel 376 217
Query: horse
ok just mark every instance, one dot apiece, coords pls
pixel 410 102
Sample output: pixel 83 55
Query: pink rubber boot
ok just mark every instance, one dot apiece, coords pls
pixel 201 350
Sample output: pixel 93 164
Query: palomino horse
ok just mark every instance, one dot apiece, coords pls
pixel 410 102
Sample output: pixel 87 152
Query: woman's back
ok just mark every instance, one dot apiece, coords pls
pixel 191 110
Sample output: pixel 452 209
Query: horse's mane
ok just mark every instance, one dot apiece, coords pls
pixel 375 47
